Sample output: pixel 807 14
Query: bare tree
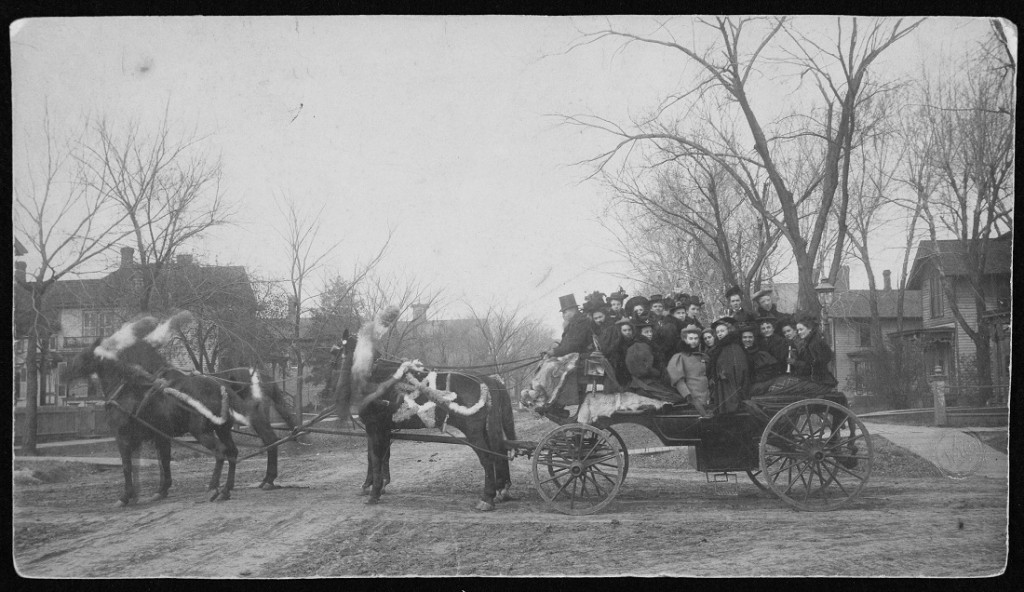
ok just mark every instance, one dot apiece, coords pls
pixel 412 296
pixel 168 188
pixel 972 157
pixel 510 337
pixel 307 256
pixel 64 225
pixel 840 73
pixel 694 203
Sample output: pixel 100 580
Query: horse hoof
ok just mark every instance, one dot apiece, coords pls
pixel 224 495
pixel 482 506
pixel 124 502
pixel 216 493
pixel 365 490
pixel 373 501
pixel 269 486
pixel 504 495
pixel 156 497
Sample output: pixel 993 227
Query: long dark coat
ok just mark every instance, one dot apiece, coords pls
pixel 646 376
pixel 812 358
pixel 576 337
pixel 613 345
pixel 732 373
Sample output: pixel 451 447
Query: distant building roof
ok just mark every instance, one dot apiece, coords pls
pixel 955 261
pixel 19 249
pixel 856 304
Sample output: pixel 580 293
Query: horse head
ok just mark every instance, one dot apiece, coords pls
pixel 135 343
pixel 548 380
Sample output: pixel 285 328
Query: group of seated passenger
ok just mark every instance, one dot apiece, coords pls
pixel 657 347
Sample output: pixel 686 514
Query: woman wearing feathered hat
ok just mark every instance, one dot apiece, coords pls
pixel 637 308
pixel 615 301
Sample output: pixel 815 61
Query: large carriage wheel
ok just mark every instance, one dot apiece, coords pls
pixel 755 477
pixel 815 455
pixel 578 468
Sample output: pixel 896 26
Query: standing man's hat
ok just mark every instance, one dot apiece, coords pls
pixel 760 293
pixel 632 302
pixel 565 302
pixel 656 298
pixel 734 290
pixel 618 295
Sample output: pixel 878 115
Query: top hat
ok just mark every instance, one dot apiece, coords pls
pixel 565 302
pixel 632 302
pixel 618 295
pixel 760 293
pixel 733 290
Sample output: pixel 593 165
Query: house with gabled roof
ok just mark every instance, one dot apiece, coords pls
pixel 86 309
pixel 947 343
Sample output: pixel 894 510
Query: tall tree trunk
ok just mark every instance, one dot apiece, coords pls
pixel 28 439
pixel 807 298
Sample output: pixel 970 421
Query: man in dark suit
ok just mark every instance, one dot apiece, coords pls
pixel 734 296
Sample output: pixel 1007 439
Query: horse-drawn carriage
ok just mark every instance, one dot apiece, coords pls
pixel 814 454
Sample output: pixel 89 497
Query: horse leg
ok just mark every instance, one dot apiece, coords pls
pixel 163 451
pixel 477 439
pixel 126 446
pixel 231 451
pixel 377 442
pixel 502 473
pixel 266 434
pixel 211 442
pixel 369 465
pixel 386 465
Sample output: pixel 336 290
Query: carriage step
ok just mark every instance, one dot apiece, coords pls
pixel 721 477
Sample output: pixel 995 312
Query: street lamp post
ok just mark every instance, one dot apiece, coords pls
pixel 825 292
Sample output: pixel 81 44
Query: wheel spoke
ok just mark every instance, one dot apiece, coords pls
pixel 851 473
pixel 835 478
pixel 603 459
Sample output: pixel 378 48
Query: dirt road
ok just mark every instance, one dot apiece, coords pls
pixel 665 520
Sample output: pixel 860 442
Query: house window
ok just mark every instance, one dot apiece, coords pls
pixel 858 378
pixel 937 298
pixel 864 335
pixel 98 323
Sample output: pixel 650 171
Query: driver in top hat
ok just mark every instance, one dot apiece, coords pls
pixel 576 329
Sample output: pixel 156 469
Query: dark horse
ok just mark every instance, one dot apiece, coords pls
pixel 386 409
pixel 200 408
pixel 257 393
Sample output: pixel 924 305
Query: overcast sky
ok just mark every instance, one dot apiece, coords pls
pixel 437 127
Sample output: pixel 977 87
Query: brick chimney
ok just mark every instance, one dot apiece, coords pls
pixel 127 256
pixel 419 311
pixel 887 280
pixel 292 305
pixel 19 271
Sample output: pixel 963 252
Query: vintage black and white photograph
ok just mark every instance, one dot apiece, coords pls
pixel 585 296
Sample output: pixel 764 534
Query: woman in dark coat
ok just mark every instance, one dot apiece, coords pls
pixel 614 342
pixel 812 354
pixel 647 375
pixel 731 368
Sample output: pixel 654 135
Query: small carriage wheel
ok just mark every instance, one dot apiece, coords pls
pixel 578 468
pixel 815 455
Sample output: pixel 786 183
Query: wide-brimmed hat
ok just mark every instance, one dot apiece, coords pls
pixel 619 295
pixel 744 327
pixel 691 329
pixel 636 300
pixel 566 302
pixel 593 302
pixel 760 293
pixel 733 290
pixel 722 321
